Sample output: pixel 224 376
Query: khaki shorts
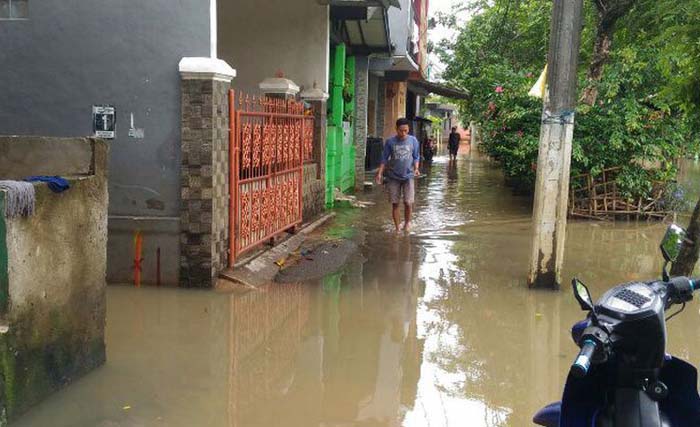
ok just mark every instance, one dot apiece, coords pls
pixel 399 191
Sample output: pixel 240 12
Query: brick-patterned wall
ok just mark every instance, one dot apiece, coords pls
pixel 204 179
pixel 313 192
pixel 361 96
pixel 220 177
pixel 315 185
pixel 320 130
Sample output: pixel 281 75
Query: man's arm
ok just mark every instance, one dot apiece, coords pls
pixel 380 174
pixel 416 157
pixel 386 152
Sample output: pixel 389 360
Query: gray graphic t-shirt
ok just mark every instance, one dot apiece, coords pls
pixel 399 157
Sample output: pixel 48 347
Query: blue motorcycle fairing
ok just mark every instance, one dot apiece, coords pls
pixel 548 416
pixel 682 405
pixel 583 398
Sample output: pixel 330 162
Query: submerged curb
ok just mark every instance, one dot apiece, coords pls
pixel 263 268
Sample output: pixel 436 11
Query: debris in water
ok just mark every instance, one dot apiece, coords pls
pixel 351 201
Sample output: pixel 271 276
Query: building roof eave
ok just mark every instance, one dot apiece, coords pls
pixel 368 3
pixel 365 30
pixel 441 89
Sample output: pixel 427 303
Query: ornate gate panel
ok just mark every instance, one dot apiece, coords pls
pixel 270 140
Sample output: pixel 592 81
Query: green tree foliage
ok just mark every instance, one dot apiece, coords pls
pixel 641 116
pixel 679 37
pixel 678 24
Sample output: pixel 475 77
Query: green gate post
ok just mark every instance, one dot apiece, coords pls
pixel 335 121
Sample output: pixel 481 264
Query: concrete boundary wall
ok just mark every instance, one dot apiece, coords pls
pixel 44 156
pixel 52 278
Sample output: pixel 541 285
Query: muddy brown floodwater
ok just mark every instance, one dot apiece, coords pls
pixel 435 328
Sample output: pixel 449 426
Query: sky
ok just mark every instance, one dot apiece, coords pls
pixel 439 33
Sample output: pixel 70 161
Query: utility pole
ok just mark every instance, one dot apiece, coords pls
pixel 556 135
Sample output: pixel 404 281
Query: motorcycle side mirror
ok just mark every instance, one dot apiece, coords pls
pixel 672 241
pixel 583 296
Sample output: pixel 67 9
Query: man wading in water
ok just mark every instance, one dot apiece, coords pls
pixel 400 160
pixel 453 143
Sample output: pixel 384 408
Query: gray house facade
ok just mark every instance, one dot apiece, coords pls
pixel 63 58
pixel 65 66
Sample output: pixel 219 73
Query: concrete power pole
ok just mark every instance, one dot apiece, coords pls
pixel 554 158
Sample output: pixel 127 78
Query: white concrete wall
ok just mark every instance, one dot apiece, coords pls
pixel 401 27
pixel 260 37
pixel 56 263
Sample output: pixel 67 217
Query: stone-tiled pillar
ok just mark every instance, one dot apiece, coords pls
pixel 317 99
pixel 204 232
pixel 361 99
pixel 381 100
pixel 394 106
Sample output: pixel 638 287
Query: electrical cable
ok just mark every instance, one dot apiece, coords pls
pixel 676 313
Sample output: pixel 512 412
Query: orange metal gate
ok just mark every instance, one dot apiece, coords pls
pixel 270 140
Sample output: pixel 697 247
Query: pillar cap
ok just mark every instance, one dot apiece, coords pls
pixel 314 94
pixel 279 86
pixel 201 68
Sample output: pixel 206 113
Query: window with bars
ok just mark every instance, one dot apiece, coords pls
pixel 14 9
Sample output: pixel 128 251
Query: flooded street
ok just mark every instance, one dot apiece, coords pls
pixel 435 328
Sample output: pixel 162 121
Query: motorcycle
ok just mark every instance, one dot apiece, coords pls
pixel 622 376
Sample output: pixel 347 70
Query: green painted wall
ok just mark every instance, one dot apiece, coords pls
pixel 340 147
pixel 333 140
pixel 335 121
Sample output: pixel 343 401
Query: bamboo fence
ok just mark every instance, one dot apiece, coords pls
pixel 598 198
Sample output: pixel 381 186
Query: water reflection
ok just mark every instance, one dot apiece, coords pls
pixel 341 352
pixel 435 328
pixel 452 174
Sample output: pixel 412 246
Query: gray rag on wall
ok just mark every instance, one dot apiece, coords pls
pixel 20 198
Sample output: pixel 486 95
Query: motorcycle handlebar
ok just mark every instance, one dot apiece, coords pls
pixel 680 289
pixel 580 367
